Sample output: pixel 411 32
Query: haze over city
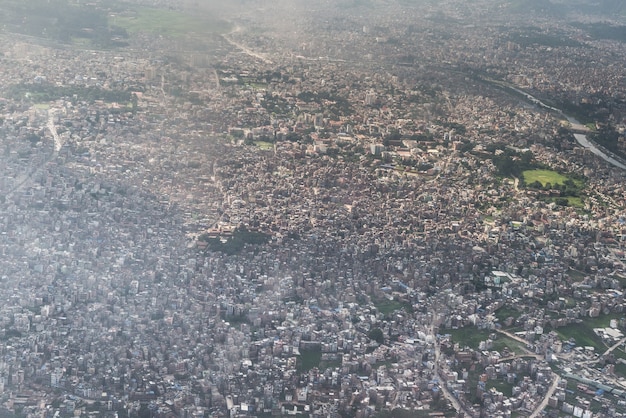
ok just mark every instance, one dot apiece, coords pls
pixel 348 208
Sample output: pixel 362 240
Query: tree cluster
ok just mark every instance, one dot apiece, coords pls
pixel 235 243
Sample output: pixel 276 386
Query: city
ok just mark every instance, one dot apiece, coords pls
pixel 323 209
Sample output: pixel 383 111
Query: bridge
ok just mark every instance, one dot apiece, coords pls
pixel 579 128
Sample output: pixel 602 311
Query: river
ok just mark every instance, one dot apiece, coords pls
pixel 580 138
pixel 583 141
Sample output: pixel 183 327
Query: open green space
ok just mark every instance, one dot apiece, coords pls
pixel 473 377
pixel 65 21
pixel 264 145
pixel 569 187
pixel 572 201
pixel 544 177
pixel 620 369
pixel 576 202
pixel 234 243
pixel 471 337
pixel 503 342
pixel 313 358
pixel 603 320
pixel 40 94
pixel 417 413
pixel 468 336
pixel 529 39
pixel 168 22
pixel 505 312
pixel 583 333
pixel 603 30
pixel 576 275
pixel 386 306
pixel 309 359
pixel 82 43
pixel 501 385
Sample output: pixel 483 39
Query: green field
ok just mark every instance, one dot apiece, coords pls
pixel 505 312
pixel 468 336
pixel 389 306
pixel 502 386
pixel 471 337
pixel 575 202
pixel 583 333
pixel 313 358
pixel 309 359
pixel 544 177
pixel 169 23
pixel 620 369
pixel 267 146
pixel 576 275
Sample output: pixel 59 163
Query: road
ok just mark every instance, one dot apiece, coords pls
pixel 25 178
pixel 608 351
pixel 614 346
pixel 516 338
pixel 453 400
pixel 546 398
pixel 58 143
pixel 509 358
pixel 244 48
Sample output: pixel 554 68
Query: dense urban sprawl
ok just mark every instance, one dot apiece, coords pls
pixel 329 218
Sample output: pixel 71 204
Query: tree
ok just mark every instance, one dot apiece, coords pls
pixel 377 335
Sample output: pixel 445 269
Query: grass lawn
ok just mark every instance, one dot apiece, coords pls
pixel 41 106
pixel 576 275
pixel 603 320
pixel 468 336
pixel 411 413
pixel 505 312
pixel 266 146
pixel 313 358
pixel 622 281
pixel 471 337
pixel 620 369
pixel 389 306
pixel 309 359
pixel 85 43
pixel 575 202
pixel 500 385
pixel 544 177
pixel 583 333
pixel 169 23
pixel 514 346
